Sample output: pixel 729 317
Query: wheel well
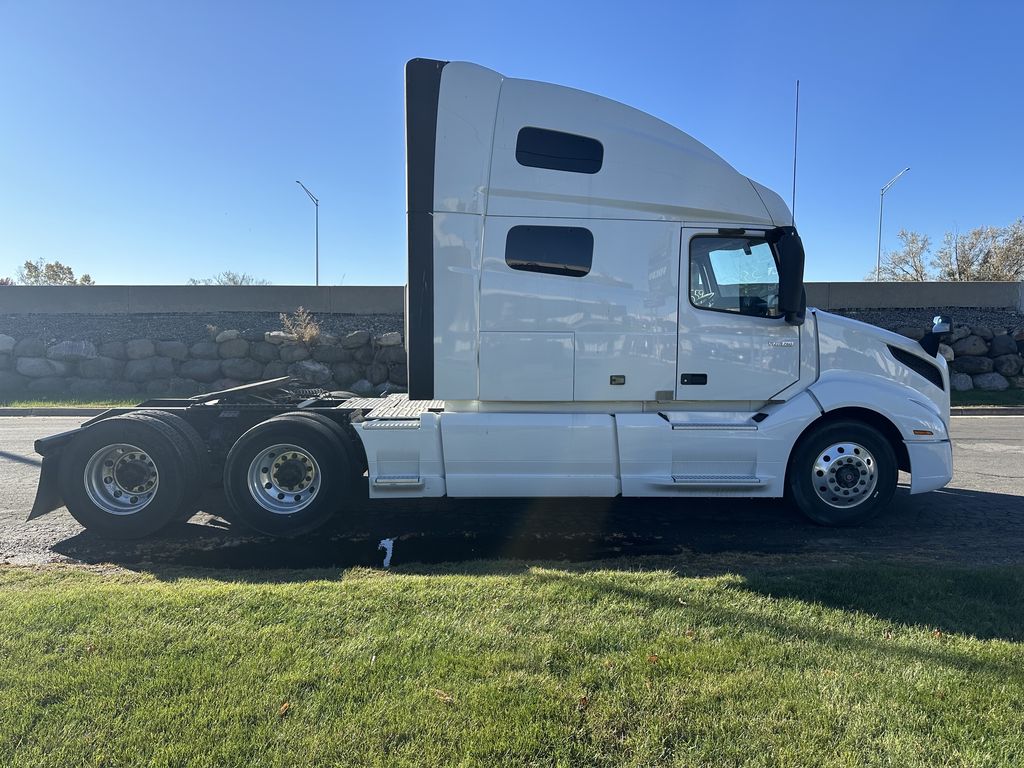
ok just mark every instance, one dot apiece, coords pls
pixel 872 418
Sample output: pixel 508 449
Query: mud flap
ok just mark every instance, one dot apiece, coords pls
pixel 47 494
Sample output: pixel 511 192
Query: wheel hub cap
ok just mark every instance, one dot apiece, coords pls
pixel 121 479
pixel 844 475
pixel 284 479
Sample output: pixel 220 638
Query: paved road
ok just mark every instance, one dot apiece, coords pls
pixel 979 518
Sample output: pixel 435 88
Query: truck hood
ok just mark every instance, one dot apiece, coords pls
pixel 839 323
pixel 850 346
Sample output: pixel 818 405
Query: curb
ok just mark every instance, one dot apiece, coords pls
pixel 982 410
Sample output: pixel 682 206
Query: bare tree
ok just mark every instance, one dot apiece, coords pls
pixel 969 256
pixel 227 277
pixel 908 263
pixel 1008 254
pixel 42 272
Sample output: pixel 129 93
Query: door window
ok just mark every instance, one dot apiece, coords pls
pixel 734 274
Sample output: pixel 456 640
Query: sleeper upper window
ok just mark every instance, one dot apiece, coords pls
pixel 541 148
pixel 551 250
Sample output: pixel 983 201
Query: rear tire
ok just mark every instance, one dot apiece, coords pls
pixel 842 473
pixel 196 458
pixel 124 478
pixel 353 451
pixel 287 475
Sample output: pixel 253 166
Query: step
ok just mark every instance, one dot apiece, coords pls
pixel 716 481
pixel 709 420
pixel 390 424
pixel 394 481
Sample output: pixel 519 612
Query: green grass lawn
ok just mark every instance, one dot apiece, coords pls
pixel 69 403
pixel 500 664
pixel 1011 397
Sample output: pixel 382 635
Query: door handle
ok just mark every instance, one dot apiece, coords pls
pixel 693 378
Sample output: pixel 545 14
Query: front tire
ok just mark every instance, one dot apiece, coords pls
pixel 842 473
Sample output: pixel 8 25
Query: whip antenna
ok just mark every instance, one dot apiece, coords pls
pixel 796 132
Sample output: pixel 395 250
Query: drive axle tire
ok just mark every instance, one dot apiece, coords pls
pixel 124 478
pixel 356 461
pixel 842 473
pixel 287 475
pixel 196 458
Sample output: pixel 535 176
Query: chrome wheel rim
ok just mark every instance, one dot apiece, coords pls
pixel 284 478
pixel 121 479
pixel 844 475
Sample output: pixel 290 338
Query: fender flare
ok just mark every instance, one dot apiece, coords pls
pixel 906 408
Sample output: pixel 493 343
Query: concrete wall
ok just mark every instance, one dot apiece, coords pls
pixel 389 299
pixel 145 299
pixel 912 295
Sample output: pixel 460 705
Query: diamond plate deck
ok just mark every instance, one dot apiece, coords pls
pixel 393 406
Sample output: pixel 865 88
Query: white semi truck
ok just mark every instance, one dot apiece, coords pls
pixel 597 305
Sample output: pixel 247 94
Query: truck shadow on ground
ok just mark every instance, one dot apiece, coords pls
pixel 987 606
pixel 450 531
pixel 907 568
pixel 519 532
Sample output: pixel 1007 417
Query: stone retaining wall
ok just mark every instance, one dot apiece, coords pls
pixel 188 327
pixel 980 357
pixel 358 361
pixel 985 350
pixel 129 357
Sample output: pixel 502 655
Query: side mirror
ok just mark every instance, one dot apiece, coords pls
pixel 792 298
pixel 941 325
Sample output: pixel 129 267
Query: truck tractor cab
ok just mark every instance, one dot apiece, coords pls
pixel 597 305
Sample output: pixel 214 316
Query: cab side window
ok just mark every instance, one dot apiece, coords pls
pixel 734 274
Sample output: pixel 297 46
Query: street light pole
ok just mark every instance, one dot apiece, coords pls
pixel 881 202
pixel 316 225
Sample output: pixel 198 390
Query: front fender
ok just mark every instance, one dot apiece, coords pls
pixel 930 455
pixel 904 406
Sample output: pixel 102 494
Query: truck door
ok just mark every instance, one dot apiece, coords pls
pixel 733 341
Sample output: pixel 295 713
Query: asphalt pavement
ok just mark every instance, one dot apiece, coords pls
pixel 977 519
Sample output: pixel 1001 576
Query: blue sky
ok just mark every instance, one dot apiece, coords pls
pixel 151 142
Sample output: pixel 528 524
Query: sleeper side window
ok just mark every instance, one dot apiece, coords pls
pixel 734 274
pixel 558 151
pixel 565 251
